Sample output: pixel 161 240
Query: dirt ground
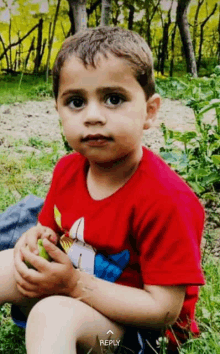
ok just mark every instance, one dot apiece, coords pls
pixel 40 119
pixel 31 119
pixel 24 120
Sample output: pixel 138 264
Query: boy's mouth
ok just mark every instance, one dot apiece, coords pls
pixel 96 137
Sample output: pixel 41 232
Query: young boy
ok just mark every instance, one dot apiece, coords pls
pixel 136 225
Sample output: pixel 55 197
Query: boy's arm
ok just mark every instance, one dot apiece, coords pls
pixel 154 307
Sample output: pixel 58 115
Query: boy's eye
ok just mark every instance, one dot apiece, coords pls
pixel 114 100
pixel 75 102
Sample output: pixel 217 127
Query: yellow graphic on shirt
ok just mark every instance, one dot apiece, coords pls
pixel 57 216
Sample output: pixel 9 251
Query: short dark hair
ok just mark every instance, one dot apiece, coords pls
pixel 122 43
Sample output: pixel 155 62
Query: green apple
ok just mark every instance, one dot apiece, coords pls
pixel 42 253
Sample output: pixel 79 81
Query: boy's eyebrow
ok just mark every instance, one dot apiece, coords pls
pixel 110 89
pixel 100 91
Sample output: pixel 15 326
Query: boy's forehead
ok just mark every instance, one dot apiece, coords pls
pixel 108 70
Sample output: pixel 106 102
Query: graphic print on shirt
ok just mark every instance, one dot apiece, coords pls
pixel 84 256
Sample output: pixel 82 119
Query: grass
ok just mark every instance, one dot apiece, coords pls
pixel 26 172
pixel 21 88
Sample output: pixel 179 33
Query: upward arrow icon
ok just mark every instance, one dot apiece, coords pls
pixel 110 332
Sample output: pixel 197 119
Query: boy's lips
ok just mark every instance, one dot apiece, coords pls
pixel 96 140
pixel 95 137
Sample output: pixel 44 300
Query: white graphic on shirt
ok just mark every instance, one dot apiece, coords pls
pixel 81 254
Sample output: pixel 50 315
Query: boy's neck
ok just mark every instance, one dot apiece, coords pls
pixel 105 179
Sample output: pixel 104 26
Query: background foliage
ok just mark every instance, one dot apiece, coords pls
pixel 147 17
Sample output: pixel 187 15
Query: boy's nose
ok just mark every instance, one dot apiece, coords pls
pixel 94 115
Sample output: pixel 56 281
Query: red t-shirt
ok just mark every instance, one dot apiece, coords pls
pixel 147 232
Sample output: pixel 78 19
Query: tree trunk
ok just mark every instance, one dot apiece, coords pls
pixel 131 17
pixel 117 13
pixel 218 54
pixel 181 19
pixel 148 22
pixel 50 44
pixel 165 40
pixel 195 24
pixel 172 50
pixel 79 14
pixel 9 40
pixel 158 65
pixel 39 41
pixel 93 7
pixel 15 62
pixel 6 56
pixel 106 12
pixel 150 12
pixel 19 51
pixel 202 35
pixel 72 30
pixel 164 47
pixel 29 53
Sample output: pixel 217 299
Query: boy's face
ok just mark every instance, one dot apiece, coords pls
pixel 103 109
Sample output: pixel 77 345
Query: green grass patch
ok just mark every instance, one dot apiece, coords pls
pixel 26 168
pixel 21 88
pixel 207 313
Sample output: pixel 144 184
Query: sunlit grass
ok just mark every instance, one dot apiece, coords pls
pixel 21 88
pixel 24 172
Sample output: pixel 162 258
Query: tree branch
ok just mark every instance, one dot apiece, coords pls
pixel 18 42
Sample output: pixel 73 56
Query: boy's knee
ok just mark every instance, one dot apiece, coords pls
pixel 51 307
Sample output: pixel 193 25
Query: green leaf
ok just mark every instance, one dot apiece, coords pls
pixel 216 159
pixel 184 137
pixel 215 103
pixel 212 178
pixel 201 172
pixel 196 187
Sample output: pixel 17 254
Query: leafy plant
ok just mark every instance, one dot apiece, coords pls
pixel 198 160
pixel 42 90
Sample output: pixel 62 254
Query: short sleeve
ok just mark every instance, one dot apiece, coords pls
pixel 46 216
pixel 169 234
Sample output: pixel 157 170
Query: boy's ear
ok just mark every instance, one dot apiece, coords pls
pixel 153 106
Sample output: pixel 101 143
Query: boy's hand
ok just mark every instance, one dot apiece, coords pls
pixel 56 277
pixel 31 236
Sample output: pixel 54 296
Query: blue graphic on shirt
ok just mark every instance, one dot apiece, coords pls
pixel 110 267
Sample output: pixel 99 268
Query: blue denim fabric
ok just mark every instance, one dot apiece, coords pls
pixel 17 219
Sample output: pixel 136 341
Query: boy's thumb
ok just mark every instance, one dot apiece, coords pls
pixel 55 253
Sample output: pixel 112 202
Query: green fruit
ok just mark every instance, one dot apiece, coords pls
pixel 42 253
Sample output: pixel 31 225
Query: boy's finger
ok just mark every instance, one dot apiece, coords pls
pixel 29 275
pixel 23 283
pixel 33 235
pixel 27 293
pixel 50 235
pixel 39 263
pixel 56 254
